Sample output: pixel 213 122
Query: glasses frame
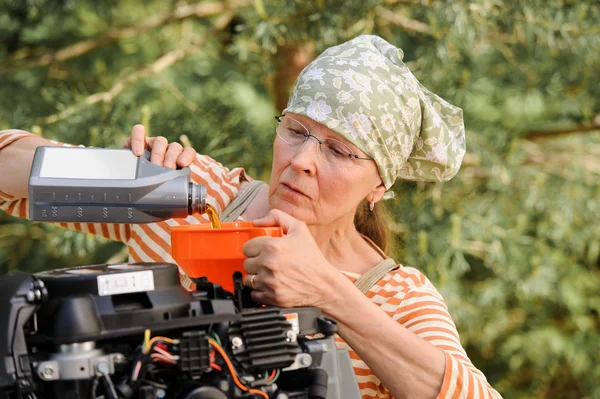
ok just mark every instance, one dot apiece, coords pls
pixel 309 134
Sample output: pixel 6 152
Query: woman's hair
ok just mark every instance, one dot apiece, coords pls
pixel 373 224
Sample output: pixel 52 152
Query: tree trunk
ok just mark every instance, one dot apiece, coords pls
pixel 289 62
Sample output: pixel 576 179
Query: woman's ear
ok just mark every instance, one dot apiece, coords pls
pixel 377 194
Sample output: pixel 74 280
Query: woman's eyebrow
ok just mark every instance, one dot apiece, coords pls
pixel 347 142
pixel 313 125
pixel 322 129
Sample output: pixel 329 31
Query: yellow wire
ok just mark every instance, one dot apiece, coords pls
pixel 146 339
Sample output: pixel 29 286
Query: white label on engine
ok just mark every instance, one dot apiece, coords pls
pixel 292 318
pixel 125 283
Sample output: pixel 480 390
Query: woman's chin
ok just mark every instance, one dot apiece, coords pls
pixel 292 209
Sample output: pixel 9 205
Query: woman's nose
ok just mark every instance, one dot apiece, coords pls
pixel 306 156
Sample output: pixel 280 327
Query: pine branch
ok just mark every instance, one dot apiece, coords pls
pixel 179 96
pixel 200 10
pixel 403 21
pixel 153 69
pixel 560 27
pixel 561 163
pixel 539 135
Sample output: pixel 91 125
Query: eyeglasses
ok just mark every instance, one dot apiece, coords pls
pixel 335 152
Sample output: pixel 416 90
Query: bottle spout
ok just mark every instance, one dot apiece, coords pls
pixel 196 199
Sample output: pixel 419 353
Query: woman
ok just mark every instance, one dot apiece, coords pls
pixel 356 121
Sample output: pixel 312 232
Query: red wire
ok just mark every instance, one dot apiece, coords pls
pixel 271 376
pixel 212 361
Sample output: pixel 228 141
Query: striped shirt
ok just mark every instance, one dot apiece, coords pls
pixel 404 294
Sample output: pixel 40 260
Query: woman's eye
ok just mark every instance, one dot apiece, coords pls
pixel 298 133
pixel 338 152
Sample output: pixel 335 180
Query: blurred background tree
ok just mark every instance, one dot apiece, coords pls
pixel 513 242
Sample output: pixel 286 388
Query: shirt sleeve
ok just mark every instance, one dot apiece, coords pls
pixel 222 184
pixel 423 312
pixel 19 207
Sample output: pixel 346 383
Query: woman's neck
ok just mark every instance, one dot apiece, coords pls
pixel 344 247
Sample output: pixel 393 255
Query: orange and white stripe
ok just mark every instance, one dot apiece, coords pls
pixel 408 297
pixel 404 294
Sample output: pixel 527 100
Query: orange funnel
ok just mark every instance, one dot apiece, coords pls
pixel 215 253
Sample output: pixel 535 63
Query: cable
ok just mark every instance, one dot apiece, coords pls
pixel 111 392
pixel 159 338
pixel 233 372
pixel 274 377
pixel 158 356
pixel 136 370
pixel 148 347
pixel 216 337
pixel 165 353
pixel 146 338
pixel 211 360
pixel 156 384
pixel 268 379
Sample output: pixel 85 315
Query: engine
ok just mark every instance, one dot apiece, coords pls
pixel 132 331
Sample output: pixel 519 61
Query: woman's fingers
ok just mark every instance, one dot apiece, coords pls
pixel 158 146
pixel 171 155
pixel 253 247
pixel 137 140
pixel 186 158
pixel 262 280
pixel 253 265
pixel 251 281
pixel 276 217
pixel 174 150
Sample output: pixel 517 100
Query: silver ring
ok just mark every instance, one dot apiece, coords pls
pixel 252 281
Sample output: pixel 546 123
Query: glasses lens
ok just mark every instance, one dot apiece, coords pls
pixel 291 131
pixel 334 151
pixel 337 153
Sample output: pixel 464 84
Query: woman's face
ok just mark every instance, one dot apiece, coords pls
pixel 304 185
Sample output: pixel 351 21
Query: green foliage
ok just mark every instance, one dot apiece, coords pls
pixel 513 242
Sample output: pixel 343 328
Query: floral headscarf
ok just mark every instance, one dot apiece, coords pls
pixel 362 90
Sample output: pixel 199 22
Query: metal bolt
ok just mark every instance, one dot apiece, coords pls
pixel 224 386
pixel 23 383
pixel 102 367
pixel 30 296
pixel 48 371
pixel 119 359
pixel 236 342
pixel 306 360
pixel 291 336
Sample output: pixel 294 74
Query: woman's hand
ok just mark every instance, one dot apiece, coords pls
pixel 288 271
pixel 170 156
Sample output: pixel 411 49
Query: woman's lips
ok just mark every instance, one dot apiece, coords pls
pixel 294 190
